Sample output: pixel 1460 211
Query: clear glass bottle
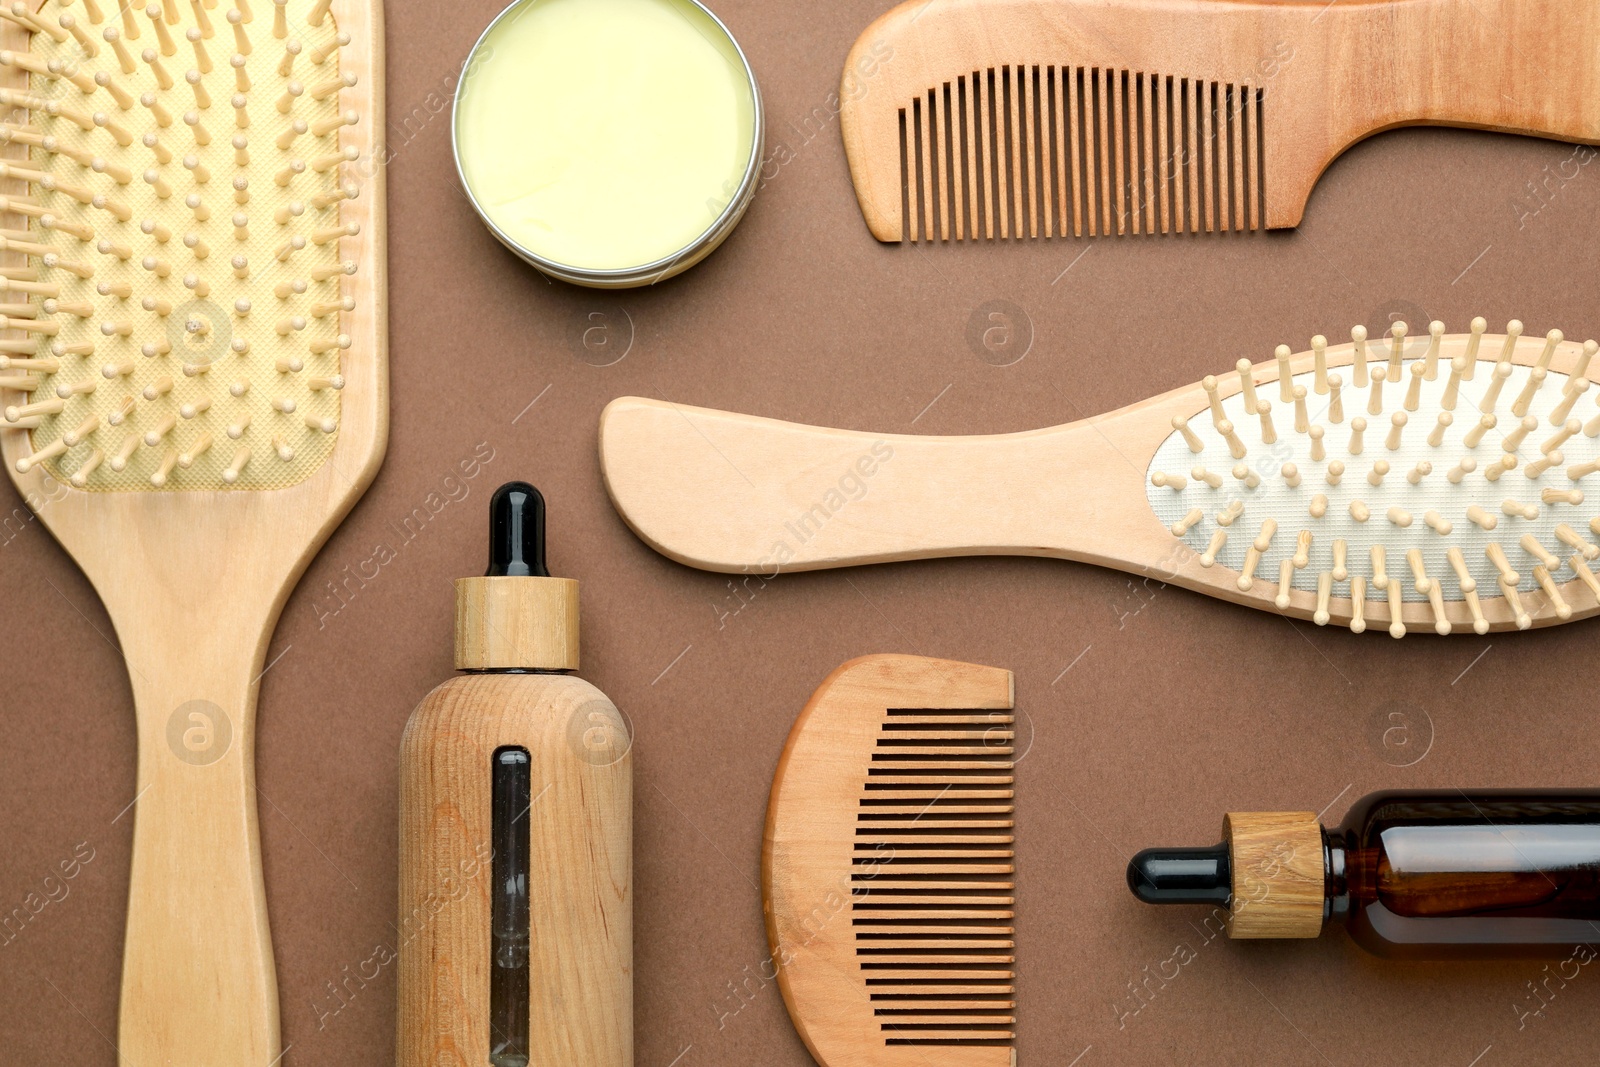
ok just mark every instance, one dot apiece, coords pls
pixel 1412 875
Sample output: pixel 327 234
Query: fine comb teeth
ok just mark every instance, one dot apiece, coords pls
pixel 984 119
pixel 889 874
pixel 1045 151
pixel 172 242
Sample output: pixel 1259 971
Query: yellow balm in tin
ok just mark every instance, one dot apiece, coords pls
pixel 609 142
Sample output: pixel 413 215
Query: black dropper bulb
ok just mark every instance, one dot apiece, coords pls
pixel 516 532
pixel 1182 876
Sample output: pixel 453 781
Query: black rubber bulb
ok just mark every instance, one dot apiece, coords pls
pixel 1182 876
pixel 516 532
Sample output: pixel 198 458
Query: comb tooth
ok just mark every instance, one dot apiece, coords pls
pixel 983 172
pixel 917 163
pixel 1111 218
pixel 1158 215
pixel 930 166
pixel 1119 148
pixel 1038 117
pixel 965 168
pixel 1146 198
pixel 1081 144
pixel 1057 174
pixel 1206 149
pixel 1026 148
pixel 953 160
pixel 1072 94
pixel 1221 154
pixel 1006 134
pixel 1015 151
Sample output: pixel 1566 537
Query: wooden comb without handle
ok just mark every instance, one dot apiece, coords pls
pixel 888 867
pixel 977 119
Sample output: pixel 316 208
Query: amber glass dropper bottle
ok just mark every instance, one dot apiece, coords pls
pixel 1419 875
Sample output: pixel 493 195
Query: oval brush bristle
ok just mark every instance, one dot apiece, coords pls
pixel 1424 478
pixel 175 323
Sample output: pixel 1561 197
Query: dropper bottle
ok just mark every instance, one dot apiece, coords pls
pixel 1418 875
pixel 516 785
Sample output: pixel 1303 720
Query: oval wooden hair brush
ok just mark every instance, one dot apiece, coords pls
pixel 193 393
pixel 978 119
pixel 1435 482
pixel 888 866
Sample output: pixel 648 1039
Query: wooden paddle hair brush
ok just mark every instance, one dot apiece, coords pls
pixel 193 394
pixel 1432 481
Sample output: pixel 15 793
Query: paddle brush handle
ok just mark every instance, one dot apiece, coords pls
pixel 197 979
pixel 729 492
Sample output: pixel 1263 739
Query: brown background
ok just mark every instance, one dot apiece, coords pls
pixel 1175 707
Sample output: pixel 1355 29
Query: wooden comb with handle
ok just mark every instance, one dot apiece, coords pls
pixel 978 119
pixel 193 394
pixel 887 872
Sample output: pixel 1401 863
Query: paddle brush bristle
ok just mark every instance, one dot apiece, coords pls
pixel 173 235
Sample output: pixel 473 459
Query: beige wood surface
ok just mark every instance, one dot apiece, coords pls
pixel 1277 865
pixel 894 865
pixel 581 870
pixel 1040 117
pixel 737 493
pixel 505 622
pixel 194 583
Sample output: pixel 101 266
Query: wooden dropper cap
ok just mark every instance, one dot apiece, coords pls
pixel 1269 872
pixel 516 617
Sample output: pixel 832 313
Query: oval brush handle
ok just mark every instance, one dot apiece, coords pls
pixel 729 492
pixel 198 987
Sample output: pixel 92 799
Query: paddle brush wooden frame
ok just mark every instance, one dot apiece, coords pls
pixel 977 119
pixel 194 583
pixel 887 868
pixel 737 493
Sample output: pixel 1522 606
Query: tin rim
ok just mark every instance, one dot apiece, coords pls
pixel 657 270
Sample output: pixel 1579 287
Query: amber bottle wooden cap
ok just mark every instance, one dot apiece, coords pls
pixel 516 616
pixel 1278 872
